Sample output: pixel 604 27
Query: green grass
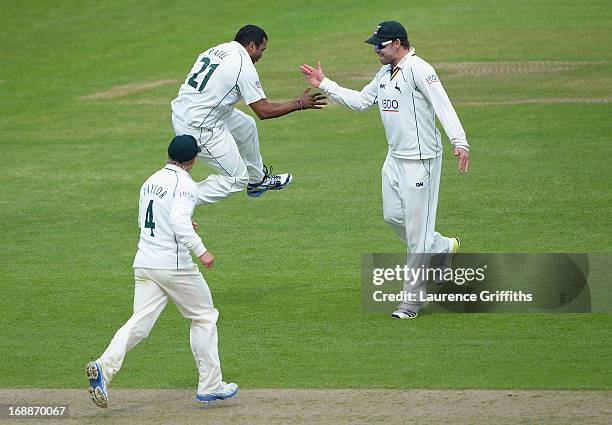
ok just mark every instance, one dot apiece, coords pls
pixel 286 279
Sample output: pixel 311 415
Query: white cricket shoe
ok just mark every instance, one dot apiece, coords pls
pixel 446 260
pixel 404 314
pixel 226 391
pixel 98 385
pixel 270 182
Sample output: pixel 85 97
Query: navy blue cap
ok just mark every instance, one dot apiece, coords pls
pixel 183 148
pixel 388 30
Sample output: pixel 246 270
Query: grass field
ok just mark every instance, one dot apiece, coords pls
pixel 531 82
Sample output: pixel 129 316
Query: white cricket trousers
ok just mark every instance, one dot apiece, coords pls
pixel 232 150
pixel 410 199
pixel 189 292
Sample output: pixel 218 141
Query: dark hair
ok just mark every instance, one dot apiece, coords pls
pixel 249 33
pixel 405 43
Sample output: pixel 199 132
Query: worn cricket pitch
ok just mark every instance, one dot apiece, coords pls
pixel 329 406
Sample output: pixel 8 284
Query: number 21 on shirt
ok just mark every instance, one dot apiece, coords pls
pixel 205 64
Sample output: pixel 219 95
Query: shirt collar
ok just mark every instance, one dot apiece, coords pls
pixel 241 48
pixel 406 58
pixel 176 168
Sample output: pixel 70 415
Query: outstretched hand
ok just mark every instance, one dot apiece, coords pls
pixel 313 75
pixel 312 100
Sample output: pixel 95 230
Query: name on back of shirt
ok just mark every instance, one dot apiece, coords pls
pixel 154 189
pixel 221 54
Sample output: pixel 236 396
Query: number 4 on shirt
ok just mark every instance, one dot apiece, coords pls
pixel 149 223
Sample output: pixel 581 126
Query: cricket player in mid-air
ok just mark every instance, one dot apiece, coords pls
pixel 409 96
pixel 204 108
pixel 164 270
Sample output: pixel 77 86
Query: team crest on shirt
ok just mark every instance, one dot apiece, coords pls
pixel 257 84
pixel 432 79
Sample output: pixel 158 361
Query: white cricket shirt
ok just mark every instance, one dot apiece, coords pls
pixel 167 200
pixel 407 104
pixel 218 79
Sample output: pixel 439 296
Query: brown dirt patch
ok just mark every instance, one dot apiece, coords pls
pixel 513 68
pixel 450 69
pixel 542 100
pixel 126 89
pixel 337 406
pixel 492 68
